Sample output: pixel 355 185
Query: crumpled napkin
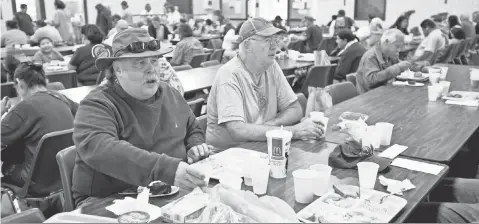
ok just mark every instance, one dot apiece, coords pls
pixel 406 83
pixel 128 204
pixel 396 187
pixel 355 129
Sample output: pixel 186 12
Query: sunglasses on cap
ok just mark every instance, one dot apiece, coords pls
pixel 139 47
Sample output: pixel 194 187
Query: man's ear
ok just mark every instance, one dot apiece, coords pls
pixel 117 69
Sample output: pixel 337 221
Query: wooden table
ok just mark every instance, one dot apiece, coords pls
pixel 290 64
pixel 432 131
pixel 77 94
pixel 198 78
pixel 203 39
pixel 303 154
pixel 170 54
pixel 65 50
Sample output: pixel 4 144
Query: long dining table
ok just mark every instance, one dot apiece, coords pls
pixel 432 131
pixel 302 155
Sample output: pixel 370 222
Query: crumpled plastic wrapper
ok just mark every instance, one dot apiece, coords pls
pixel 395 186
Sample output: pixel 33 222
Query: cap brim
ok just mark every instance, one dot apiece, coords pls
pixel 382 162
pixel 269 31
pixel 105 62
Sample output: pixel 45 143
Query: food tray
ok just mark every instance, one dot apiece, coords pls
pixel 352 116
pixel 461 96
pixel 72 217
pixel 333 208
pixel 409 76
pixel 231 161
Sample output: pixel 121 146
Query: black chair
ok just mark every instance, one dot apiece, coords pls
pixel 215 44
pixel 66 163
pixel 217 55
pixel 445 58
pixel 182 68
pixel 302 101
pixel 198 59
pixel 209 63
pixel 328 44
pixel 342 91
pixel 196 106
pixel 439 53
pixel 68 79
pixel 33 215
pixel 318 76
pixel 44 182
pixel 456 59
pixel 8 89
pixel 351 78
pixel 202 121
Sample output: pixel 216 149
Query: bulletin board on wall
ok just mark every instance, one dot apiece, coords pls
pixel 364 8
pixel 235 9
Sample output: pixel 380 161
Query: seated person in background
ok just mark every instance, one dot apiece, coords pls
pixel 199 27
pixel 13 35
pixel 370 35
pixel 39 112
pixel 120 26
pixel 313 35
pixel 333 20
pixel 457 34
pixel 278 23
pixel 380 63
pixel 350 54
pixel 229 41
pixel 250 94
pixel 135 129
pixel 47 53
pixel 188 46
pixel 401 24
pixel 434 41
pixel 158 30
pixel 45 30
pixel 209 27
pixel 82 60
pixel 226 27
pixel 455 200
pixel 344 22
pixel 468 25
pixel 115 19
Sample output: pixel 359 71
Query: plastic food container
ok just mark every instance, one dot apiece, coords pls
pixel 134 217
pixel 351 116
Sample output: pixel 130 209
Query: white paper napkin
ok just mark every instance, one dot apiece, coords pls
pixel 469 103
pixel 128 204
pixel 405 83
pixel 396 187
pixel 393 151
pixel 417 166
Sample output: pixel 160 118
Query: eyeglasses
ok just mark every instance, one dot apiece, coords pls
pixel 274 41
pixel 140 47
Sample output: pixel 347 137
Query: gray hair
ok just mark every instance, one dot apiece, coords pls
pixel 465 17
pixel 392 35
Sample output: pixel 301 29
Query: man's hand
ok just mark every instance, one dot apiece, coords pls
pixel 308 129
pixel 188 178
pixel 404 65
pixel 199 152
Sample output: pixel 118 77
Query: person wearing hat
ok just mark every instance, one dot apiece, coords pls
pixel 250 94
pixel 313 35
pixel 135 129
pixel 278 23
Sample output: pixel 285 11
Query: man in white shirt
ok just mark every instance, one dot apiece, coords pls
pixel 126 12
pixel 147 13
pixel 434 40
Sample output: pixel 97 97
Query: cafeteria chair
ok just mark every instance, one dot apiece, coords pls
pixel 66 163
pixel 302 101
pixel 67 78
pixel 215 44
pixel 196 106
pixel 55 86
pixel 8 89
pixel 209 63
pixel 202 122
pixel 217 55
pixel 342 91
pixel 198 59
pixel 351 78
pixel 439 53
pixel 459 52
pixel 33 215
pixel 43 183
pixel 182 68
pixel 328 44
pixel 318 76
pixel 444 59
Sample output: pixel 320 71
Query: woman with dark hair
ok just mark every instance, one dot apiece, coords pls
pixel 230 39
pixel 453 21
pixel 350 53
pixel 199 27
pixel 82 60
pixel 47 53
pixel 187 47
pixel 62 21
pixel 457 34
pixel 401 24
pixel 39 112
pixel 157 29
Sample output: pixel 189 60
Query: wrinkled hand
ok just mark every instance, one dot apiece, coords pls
pixel 355 129
pixel 199 152
pixel 188 178
pixel 308 129
pixel 404 65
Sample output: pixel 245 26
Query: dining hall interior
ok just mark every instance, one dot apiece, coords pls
pixel 239 111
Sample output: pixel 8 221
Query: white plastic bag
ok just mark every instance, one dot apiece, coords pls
pixel 318 100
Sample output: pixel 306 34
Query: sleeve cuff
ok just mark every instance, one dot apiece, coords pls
pixel 230 118
pixel 170 165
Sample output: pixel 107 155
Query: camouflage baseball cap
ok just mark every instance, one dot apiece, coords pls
pixel 257 26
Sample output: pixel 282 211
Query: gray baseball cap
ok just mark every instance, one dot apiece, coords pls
pixel 257 26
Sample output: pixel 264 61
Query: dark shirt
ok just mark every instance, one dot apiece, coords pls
pixel 314 36
pixel 152 31
pixel 84 61
pixel 123 142
pixel 104 20
pixel 349 60
pixel 25 23
pixel 27 122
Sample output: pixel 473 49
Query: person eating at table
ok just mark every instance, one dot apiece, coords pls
pixel 135 129
pixel 250 94
pixel 188 46
pixel 13 35
pixel 380 64
pixel 45 30
pixel 435 40
pixel 40 111
pixel 47 53
pixel 350 53
pixel 313 35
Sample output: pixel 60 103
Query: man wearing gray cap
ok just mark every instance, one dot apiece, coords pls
pixel 250 94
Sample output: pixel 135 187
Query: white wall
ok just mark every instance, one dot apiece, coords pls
pixel 199 6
